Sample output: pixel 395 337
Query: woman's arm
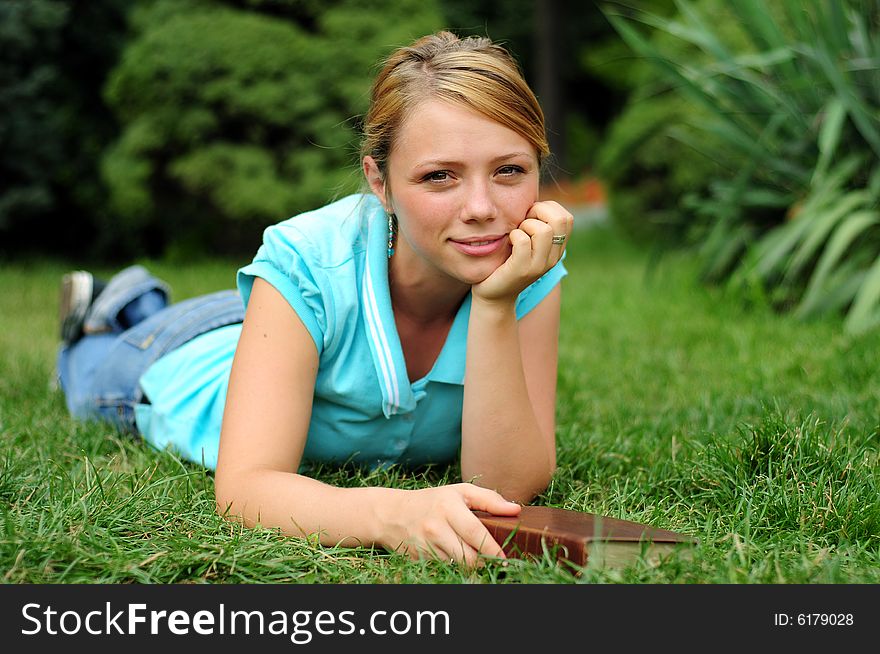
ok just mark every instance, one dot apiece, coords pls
pixel 265 425
pixel 508 420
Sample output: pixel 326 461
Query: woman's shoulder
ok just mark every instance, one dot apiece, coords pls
pixel 328 236
pixel 312 259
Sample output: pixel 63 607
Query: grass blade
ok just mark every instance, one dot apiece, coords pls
pixel 683 84
pixel 863 117
pixel 829 134
pixel 822 225
pixel 840 241
pixel 763 29
pixel 863 315
pixel 701 34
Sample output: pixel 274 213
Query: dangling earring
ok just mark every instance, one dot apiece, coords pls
pixel 392 232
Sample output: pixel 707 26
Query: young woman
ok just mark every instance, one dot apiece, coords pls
pixel 410 324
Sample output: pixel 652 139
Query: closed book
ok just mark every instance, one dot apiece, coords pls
pixel 581 538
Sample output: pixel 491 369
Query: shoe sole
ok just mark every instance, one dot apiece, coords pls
pixel 76 296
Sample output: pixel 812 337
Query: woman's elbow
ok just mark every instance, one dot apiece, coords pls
pixel 226 491
pixel 528 492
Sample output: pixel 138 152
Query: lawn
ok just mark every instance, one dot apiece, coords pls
pixel 679 405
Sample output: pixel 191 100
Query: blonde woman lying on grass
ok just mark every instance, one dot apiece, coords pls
pixel 414 323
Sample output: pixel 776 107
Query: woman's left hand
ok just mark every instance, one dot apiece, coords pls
pixel 533 254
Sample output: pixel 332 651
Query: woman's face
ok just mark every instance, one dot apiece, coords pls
pixel 458 183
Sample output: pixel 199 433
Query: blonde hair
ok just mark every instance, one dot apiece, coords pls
pixel 472 72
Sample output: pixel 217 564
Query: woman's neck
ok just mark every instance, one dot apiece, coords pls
pixel 423 297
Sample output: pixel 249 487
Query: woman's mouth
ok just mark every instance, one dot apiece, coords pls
pixel 479 247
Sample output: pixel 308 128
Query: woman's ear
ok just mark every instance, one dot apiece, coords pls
pixel 376 181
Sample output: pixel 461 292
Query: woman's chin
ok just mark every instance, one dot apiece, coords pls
pixel 472 275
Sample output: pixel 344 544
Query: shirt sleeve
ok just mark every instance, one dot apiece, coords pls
pixel 540 288
pixel 284 261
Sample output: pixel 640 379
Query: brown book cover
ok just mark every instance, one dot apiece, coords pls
pixel 581 538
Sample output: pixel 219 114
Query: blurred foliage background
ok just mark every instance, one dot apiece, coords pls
pixel 748 130
pixel 156 127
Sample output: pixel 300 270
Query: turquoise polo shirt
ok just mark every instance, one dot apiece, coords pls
pixel 331 266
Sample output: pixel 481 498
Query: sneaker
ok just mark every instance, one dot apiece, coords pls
pixel 77 293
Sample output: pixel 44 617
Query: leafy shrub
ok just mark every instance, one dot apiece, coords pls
pixel 652 159
pixel 792 118
pixel 234 119
pixel 648 172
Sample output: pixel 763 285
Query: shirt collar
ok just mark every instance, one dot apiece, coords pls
pixel 449 367
pixel 397 395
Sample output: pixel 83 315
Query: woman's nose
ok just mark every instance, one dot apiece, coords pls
pixel 479 203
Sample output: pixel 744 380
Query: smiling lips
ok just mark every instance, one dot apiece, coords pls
pixel 480 247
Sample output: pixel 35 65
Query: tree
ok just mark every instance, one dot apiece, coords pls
pixel 238 116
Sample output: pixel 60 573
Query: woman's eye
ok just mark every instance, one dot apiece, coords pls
pixel 509 170
pixel 437 176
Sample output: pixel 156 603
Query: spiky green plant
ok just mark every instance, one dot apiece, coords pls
pixel 797 117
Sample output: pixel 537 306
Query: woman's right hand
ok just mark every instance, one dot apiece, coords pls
pixel 438 522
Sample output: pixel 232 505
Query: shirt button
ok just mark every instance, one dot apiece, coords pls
pixel 400 444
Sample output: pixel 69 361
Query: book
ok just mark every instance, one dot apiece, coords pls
pixel 582 539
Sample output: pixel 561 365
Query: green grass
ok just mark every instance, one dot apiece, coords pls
pixel 677 406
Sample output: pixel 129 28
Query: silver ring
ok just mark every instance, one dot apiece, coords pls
pixel 558 239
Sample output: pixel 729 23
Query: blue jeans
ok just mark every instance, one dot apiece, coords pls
pixel 100 373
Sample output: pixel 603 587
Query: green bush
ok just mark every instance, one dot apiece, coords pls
pixel 791 116
pixel 652 159
pixel 235 119
pixel 649 172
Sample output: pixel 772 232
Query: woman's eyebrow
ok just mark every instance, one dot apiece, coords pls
pixel 452 163
pixel 513 155
pixel 431 163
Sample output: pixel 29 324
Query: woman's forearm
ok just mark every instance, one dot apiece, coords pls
pixel 432 522
pixel 503 447
pixel 301 506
